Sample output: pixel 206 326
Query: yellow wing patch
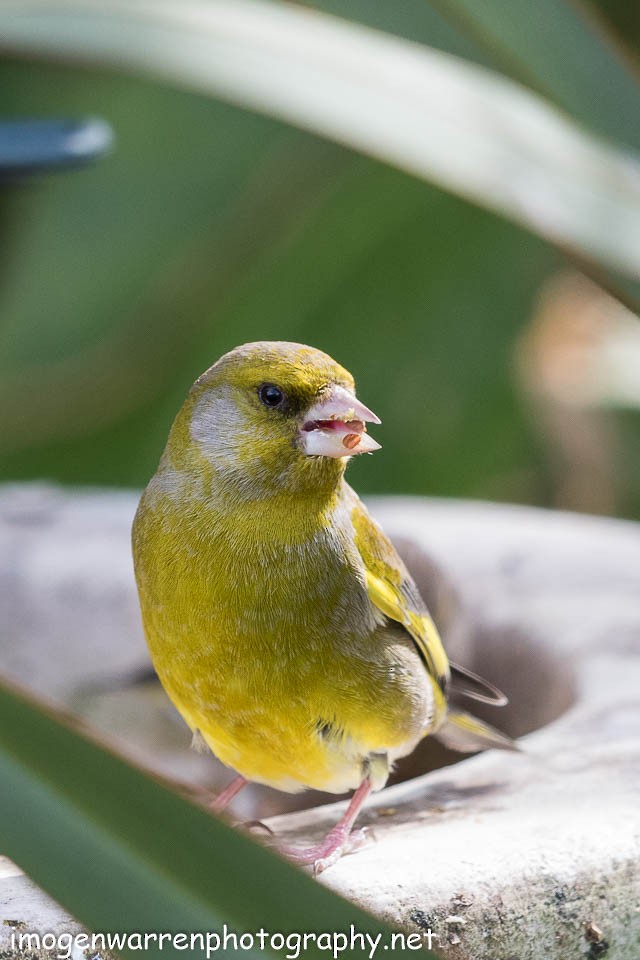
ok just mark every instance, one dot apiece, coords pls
pixel 392 590
pixel 423 630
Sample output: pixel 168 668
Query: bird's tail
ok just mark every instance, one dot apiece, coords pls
pixel 463 732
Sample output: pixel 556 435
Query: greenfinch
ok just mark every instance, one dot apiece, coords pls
pixel 281 621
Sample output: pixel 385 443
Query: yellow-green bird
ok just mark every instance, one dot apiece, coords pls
pixel 281 621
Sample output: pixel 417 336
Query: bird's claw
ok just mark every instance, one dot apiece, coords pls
pixel 351 843
pixel 325 854
pixel 256 826
pixel 358 838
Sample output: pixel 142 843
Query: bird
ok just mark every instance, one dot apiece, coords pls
pixel 279 617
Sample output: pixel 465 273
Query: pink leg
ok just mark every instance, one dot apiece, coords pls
pixel 219 803
pixel 340 840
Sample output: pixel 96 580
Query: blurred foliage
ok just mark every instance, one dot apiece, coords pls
pixel 561 51
pixel 208 227
pixel 164 864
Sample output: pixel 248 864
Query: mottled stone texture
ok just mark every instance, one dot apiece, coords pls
pixel 503 856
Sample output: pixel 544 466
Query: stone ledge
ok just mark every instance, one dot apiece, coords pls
pixel 504 856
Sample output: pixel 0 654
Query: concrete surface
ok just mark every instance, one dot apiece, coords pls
pixel 502 856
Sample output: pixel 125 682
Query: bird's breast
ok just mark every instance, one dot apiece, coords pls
pixel 215 584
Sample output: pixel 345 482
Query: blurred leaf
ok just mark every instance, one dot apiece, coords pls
pixel 436 117
pixel 560 49
pixel 414 20
pixel 122 853
pixel 625 18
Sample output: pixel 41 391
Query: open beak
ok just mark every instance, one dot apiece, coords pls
pixel 336 427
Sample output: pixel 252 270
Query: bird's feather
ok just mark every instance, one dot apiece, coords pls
pixel 392 590
pixel 466 734
pixel 466 683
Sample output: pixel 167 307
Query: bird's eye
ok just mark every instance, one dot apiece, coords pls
pixel 270 395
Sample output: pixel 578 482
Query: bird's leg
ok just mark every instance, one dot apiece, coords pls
pixel 340 840
pixel 223 799
pixel 219 803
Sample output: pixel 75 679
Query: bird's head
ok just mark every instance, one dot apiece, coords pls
pixel 272 416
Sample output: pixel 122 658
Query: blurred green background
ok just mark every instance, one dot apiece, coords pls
pixel 209 226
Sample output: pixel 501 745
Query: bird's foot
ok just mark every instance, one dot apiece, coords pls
pixel 338 843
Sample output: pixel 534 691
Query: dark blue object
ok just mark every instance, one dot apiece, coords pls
pixel 37 146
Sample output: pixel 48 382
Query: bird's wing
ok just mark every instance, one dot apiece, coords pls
pixel 392 590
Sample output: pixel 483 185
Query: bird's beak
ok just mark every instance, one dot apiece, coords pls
pixel 335 427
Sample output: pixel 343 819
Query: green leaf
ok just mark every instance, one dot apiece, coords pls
pixel 559 49
pixel 437 117
pixel 122 853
